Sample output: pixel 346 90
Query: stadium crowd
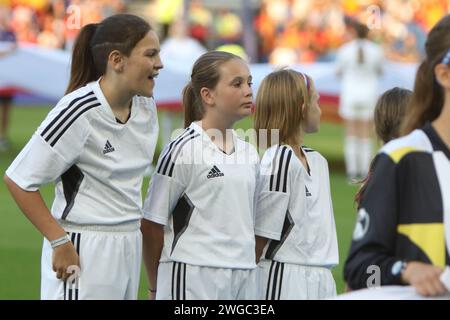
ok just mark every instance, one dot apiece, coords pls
pixel 297 31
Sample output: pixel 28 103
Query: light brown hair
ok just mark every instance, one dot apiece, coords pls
pixel 205 74
pixel 279 106
pixel 389 113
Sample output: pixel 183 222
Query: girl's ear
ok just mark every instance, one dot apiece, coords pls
pixel 442 74
pixel 303 110
pixel 116 60
pixel 207 96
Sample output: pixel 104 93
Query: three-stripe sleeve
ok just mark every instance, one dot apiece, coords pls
pixel 172 175
pixel 56 145
pixel 273 192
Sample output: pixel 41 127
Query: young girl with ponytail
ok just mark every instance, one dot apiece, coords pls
pixel 199 240
pixel 359 63
pixel 399 233
pixel 95 145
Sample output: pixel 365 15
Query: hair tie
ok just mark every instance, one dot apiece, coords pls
pixel 446 58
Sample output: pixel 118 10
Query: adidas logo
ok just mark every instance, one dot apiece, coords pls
pixel 308 194
pixel 214 173
pixel 108 147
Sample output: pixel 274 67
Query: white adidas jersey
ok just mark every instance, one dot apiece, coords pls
pixel 294 209
pixel 205 200
pixel 96 162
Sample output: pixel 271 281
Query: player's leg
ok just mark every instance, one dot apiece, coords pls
pixel 351 148
pixel 366 143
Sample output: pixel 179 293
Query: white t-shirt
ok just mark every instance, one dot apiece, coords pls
pixel 96 162
pixel 359 81
pixel 294 209
pixel 205 200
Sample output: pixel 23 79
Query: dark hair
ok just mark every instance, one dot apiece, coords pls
pixel 95 42
pixel 390 111
pixel 428 96
pixel 205 73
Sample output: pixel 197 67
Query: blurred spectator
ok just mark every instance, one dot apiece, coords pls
pixel 200 21
pixel 228 27
pixel 180 47
pixel 305 30
pixel 7 45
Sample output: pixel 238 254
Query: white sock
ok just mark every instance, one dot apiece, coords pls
pixel 350 154
pixel 365 155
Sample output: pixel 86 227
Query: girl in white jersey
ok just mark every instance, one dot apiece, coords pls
pixel 95 145
pixel 199 240
pixel 296 233
pixel 359 63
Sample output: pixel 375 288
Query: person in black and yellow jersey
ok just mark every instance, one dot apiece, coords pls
pixel 400 225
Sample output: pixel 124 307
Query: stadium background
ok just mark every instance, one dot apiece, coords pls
pixel 269 31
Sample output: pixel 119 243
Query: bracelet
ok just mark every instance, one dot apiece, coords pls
pixel 60 241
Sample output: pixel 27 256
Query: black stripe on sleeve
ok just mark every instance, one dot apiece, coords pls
pixel 170 146
pixel 71 122
pixel 64 111
pixel 65 119
pixel 286 170
pixel 272 175
pixel 178 152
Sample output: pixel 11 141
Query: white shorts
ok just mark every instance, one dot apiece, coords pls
pixel 286 281
pixel 110 262
pixel 180 281
pixel 354 110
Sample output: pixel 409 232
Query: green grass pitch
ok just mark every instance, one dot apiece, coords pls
pixel 20 243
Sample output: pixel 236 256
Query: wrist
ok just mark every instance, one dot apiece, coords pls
pixel 398 271
pixel 59 241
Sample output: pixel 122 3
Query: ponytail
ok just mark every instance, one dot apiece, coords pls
pixel 427 99
pixel 192 109
pixel 83 68
pixel 361 58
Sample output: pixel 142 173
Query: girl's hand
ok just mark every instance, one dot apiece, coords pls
pixel 424 278
pixel 64 256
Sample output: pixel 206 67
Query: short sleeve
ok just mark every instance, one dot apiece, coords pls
pixel 54 147
pixel 169 182
pixel 273 193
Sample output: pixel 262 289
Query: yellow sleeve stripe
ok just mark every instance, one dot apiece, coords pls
pixel 429 237
pixel 397 154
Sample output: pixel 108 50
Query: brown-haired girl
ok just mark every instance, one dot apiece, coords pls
pixel 199 239
pixel 96 145
pixel 388 116
pixel 400 234
pixel 295 229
